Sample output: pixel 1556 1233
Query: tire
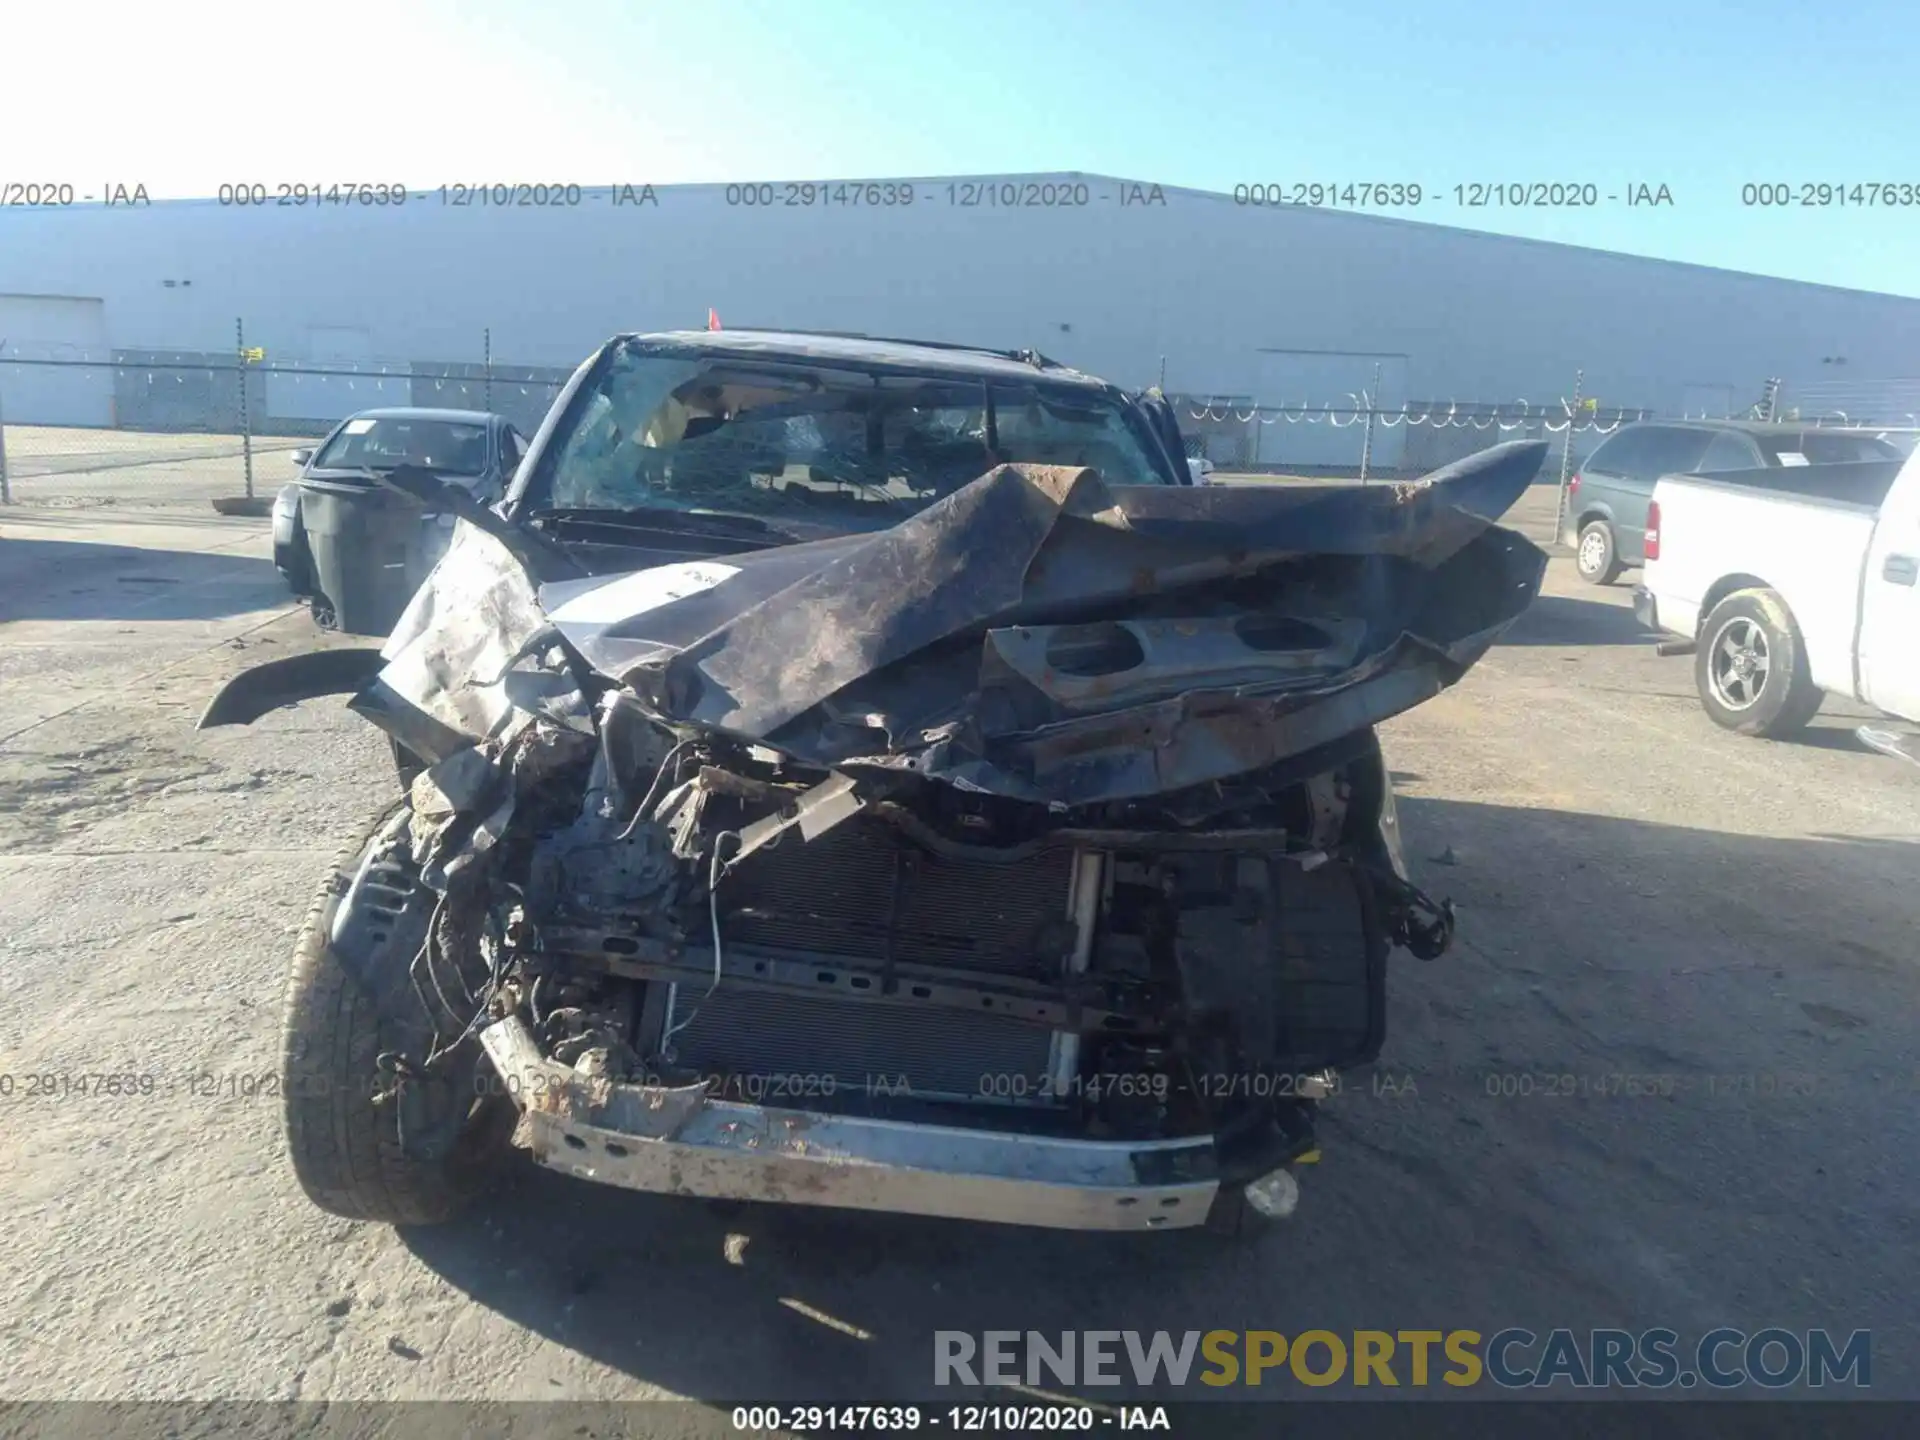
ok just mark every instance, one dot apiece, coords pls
pixel 1596 557
pixel 346 1150
pixel 294 561
pixel 1751 667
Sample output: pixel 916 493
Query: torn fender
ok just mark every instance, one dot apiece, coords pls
pixel 254 692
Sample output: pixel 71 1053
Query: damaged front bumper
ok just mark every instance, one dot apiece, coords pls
pixel 1089 804
pixel 680 1141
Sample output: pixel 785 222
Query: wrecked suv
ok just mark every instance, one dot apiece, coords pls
pixel 870 774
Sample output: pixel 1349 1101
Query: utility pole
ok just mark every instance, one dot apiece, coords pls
pixel 246 427
pixel 1366 443
pixel 1566 454
pixel 6 488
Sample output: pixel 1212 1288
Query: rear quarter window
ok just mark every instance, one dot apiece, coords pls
pixel 1827 447
pixel 1673 452
pixel 1616 453
pixel 1728 452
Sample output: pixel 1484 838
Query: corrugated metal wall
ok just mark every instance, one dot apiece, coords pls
pixel 1189 285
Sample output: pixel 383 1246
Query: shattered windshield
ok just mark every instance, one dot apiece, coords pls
pixel 831 443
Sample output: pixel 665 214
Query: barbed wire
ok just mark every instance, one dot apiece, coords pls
pixel 1529 416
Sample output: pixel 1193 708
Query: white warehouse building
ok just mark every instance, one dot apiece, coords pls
pixel 1252 305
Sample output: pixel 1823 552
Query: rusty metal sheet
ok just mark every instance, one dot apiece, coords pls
pixel 923 647
pixel 958 644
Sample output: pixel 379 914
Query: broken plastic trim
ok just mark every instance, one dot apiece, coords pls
pixel 1416 921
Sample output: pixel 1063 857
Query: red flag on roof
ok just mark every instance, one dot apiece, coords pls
pixel 713 318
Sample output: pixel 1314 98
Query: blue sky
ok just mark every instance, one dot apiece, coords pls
pixel 1702 97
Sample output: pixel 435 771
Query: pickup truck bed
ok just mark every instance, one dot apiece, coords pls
pixel 1791 584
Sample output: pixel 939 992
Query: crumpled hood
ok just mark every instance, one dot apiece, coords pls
pixel 1037 634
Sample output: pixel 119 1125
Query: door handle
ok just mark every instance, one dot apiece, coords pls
pixel 1900 569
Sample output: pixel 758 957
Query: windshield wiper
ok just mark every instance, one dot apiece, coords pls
pixel 722 523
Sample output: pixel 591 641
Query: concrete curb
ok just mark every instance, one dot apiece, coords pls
pixel 254 505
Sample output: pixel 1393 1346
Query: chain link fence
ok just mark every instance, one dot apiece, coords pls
pixel 145 427
pixel 163 427
pixel 1377 443
pixel 1359 439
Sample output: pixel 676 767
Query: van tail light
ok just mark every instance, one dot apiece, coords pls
pixel 1573 485
pixel 1653 530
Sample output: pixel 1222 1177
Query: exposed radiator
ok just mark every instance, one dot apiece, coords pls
pixel 832 896
pixel 787 1042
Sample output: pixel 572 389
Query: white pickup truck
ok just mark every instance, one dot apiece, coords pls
pixel 1788 586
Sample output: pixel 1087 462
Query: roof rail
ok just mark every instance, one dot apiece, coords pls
pixel 1022 356
pixel 1025 355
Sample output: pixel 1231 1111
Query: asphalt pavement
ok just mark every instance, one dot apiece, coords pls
pixel 1728 922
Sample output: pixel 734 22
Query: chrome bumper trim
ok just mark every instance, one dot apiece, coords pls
pixel 680 1141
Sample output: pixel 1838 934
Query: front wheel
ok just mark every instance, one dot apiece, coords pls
pixel 360 1148
pixel 1596 557
pixel 1751 667
pixel 294 560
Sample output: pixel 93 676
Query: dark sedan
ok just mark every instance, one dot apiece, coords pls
pixel 1606 511
pixel 354 550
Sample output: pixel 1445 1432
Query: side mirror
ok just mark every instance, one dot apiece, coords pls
pixel 544 558
pixel 300 457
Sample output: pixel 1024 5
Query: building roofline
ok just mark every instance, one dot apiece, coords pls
pixel 1324 214
pixel 1360 217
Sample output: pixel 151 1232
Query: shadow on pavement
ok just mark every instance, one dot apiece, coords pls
pixel 82 580
pixel 1563 620
pixel 1837 735
pixel 1738 968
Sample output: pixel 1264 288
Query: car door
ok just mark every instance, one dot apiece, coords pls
pixel 1665 450
pixel 1607 488
pixel 1603 476
pixel 1890 601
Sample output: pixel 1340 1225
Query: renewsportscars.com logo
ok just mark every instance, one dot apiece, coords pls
pixel 1722 1359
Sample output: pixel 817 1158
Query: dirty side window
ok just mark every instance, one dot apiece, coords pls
pixel 834 443
pixel 1728 452
pixel 1829 447
pixel 1671 451
pixel 381 443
